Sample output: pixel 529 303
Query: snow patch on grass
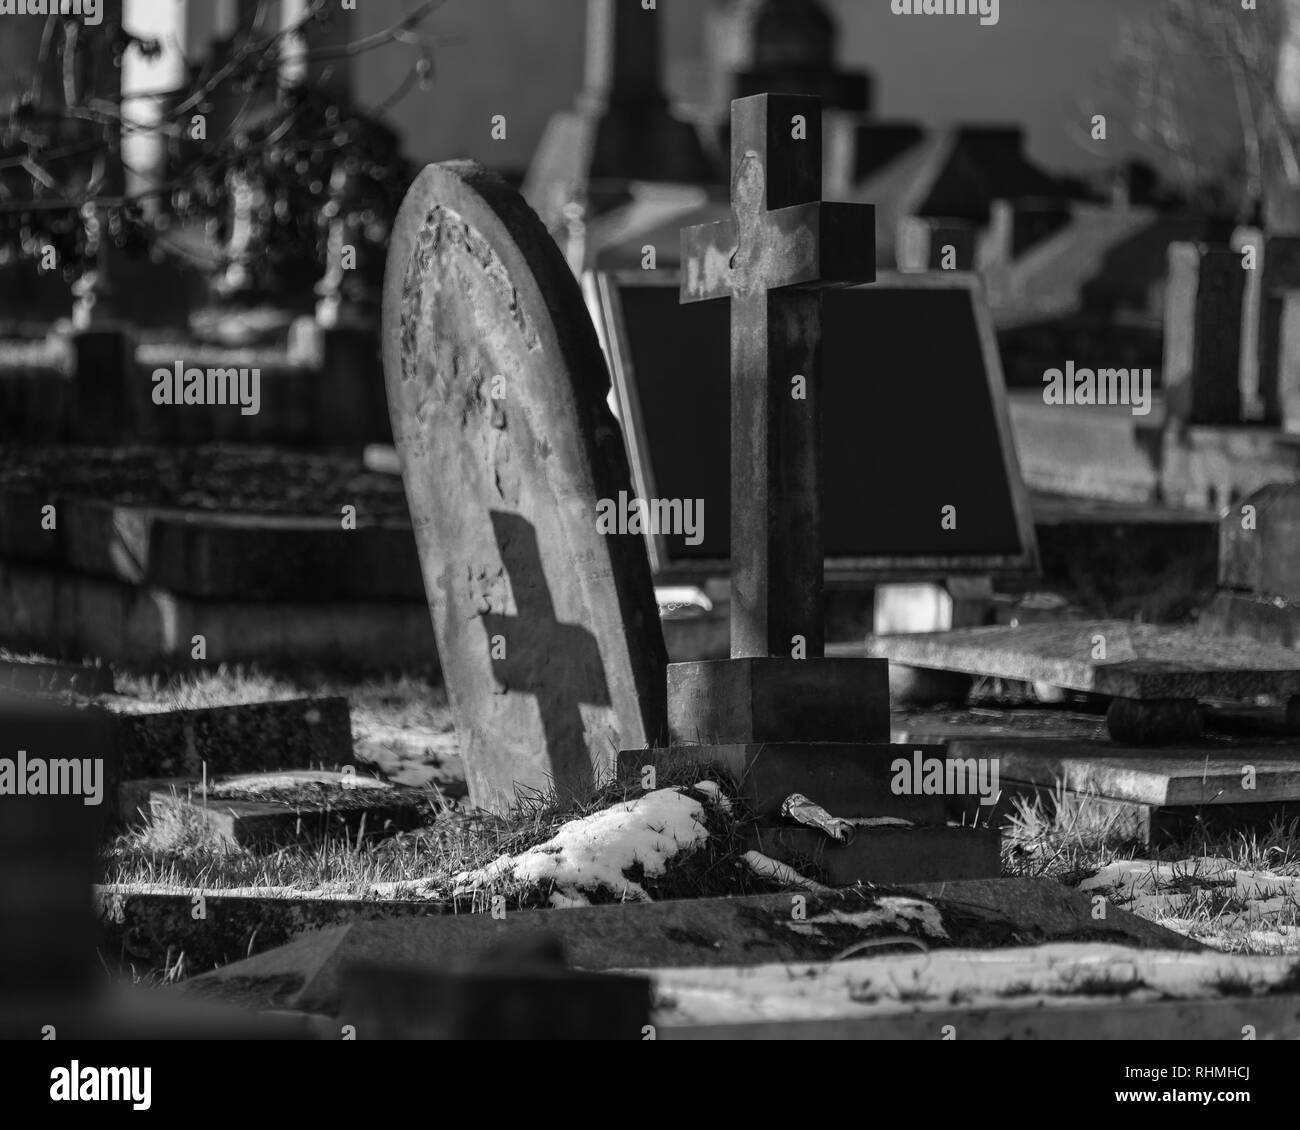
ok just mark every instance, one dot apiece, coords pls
pixel 889 911
pixel 594 853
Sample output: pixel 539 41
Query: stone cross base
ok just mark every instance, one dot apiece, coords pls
pixel 889 835
pixel 734 701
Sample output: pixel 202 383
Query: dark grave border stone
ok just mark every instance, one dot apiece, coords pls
pixel 43 677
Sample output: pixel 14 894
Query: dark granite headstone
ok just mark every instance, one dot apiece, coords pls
pixel 914 419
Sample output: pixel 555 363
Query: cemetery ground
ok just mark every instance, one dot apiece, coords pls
pixel 1235 890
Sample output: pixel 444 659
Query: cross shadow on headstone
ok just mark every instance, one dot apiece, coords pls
pixel 534 653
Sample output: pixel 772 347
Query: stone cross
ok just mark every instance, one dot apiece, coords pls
pixel 622 129
pixel 623 57
pixel 782 244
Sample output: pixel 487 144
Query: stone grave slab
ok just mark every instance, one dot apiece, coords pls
pixel 245 557
pixel 263 810
pixel 1209 775
pixel 146 923
pixel 290 734
pixel 37 676
pixel 54 611
pixel 1065 991
pixel 306 974
pixel 1154 675
pixel 943 725
pixel 1143 796
pixel 547 630
pixel 152 742
pixel 246 547
pixel 50 974
pixel 216 554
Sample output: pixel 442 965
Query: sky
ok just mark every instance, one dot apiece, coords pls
pixel 1045 64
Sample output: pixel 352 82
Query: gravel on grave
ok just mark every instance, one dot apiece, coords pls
pixel 211 477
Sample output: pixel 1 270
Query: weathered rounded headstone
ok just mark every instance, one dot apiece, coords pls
pixel 548 631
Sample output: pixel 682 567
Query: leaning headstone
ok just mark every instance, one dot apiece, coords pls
pixel 548 632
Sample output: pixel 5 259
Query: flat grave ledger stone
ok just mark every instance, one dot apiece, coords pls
pixel 1155 676
pixel 158 742
pixel 914 418
pixel 547 629
pixel 308 972
pixel 777 714
pixel 36 676
pixel 1146 795
pixel 267 810
pixel 255 549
